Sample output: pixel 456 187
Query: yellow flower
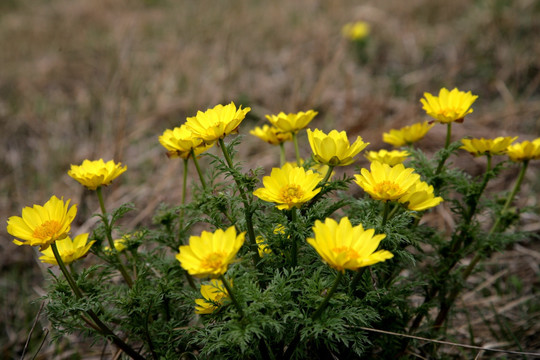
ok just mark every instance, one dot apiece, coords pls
pixel 289 187
pixel 292 123
pixel 119 245
pixel 211 253
pixel 526 150
pixel 94 174
pixel 356 31
pixel 449 106
pixel 420 197
pixel 321 169
pixel 483 146
pixel 271 134
pixel 334 149
pixel 69 250
pixel 407 135
pixel 391 158
pixel 216 123
pixel 42 225
pixel 262 247
pixel 385 182
pixel 214 295
pixel 180 141
pixel 343 246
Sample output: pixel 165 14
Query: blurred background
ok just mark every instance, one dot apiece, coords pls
pixel 103 79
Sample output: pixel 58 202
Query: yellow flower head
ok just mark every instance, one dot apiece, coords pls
pixel 69 250
pixel 478 147
pixel 355 31
pixel 292 123
pixel 119 245
pixel 385 182
pixel 211 253
pixel 391 158
pixel 524 151
pixel 94 174
pixel 214 295
pixel 289 187
pixel 180 141
pixel 216 123
pixel 420 197
pixel 42 225
pixel 334 149
pixel 262 247
pixel 407 135
pixel 449 106
pixel 343 246
pixel 271 134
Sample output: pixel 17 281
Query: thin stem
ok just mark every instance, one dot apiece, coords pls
pixel 386 211
pixel 184 187
pixel 282 159
pixel 326 176
pixel 196 162
pixel 296 150
pixel 356 279
pixel 294 252
pixel 231 295
pixel 108 231
pixel 67 274
pixel 446 144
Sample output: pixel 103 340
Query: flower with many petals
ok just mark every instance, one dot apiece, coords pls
pixel 407 135
pixel 42 225
pixel 334 149
pixel 524 151
pixel 69 250
pixel 214 295
pixel 420 197
pixel 271 134
pixel 211 253
pixel 385 182
pixel 292 123
pixel 289 187
pixel 96 173
pixel 355 31
pixel 180 141
pixel 449 106
pixel 217 122
pixel 391 158
pixel 343 246
pixel 478 147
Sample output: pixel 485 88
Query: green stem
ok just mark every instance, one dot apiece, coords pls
pixel 294 253
pixel 296 150
pixel 231 295
pixel 196 162
pixel 446 144
pixel 386 211
pixel 108 231
pixel 67 274
pixel 184 187
pixel 282 159
pixel 326 176
pixel 356 279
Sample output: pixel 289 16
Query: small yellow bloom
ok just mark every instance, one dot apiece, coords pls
pixel 420 197
pixel 526 150
pixel 292 123
pixel 289 187
pixel 355 31
pixel 119 245
pixel 385 182
pixel 69 250
pixel 321 169
pixel 180 141
pixel 478 147
pixel 343 246
pixel 334 149
pixel 391 158
pixel 211 253
pixel 214 295
pixel 42 225
pixel 216 123
pixel 407 135
pixel 449 106
pixel 262 247
pixel 271 134
pixel 94 174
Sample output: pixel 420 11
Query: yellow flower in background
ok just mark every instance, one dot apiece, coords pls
pixel 420 197
pixel 523 151
pixel 211 253
pixel 217 122
pixel 271 134
pixel 478 147
pixel 96 173
pixel 355 31
pixel 180 141
pixel 214 295
pixel 292 123
pixel 334 149
pixel 321 169
pixel 391 158
pixel 407 135
pixel 449 106
pixel 69 250
pixel 262 247
pixel 385 182
pixel 42 225
pixel 343 246
pixel 289 187
pixel 119 245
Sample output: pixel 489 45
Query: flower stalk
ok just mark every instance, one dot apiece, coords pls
pixel 196 162
pixel 231 296
pixel 296 150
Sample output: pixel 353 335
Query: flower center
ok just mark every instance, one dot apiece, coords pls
pixel 48 230
pixel 213 261
pixel 388 188
pixel 291 193
pixel 349 253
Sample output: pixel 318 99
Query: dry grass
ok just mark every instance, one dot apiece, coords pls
pixel 103 78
